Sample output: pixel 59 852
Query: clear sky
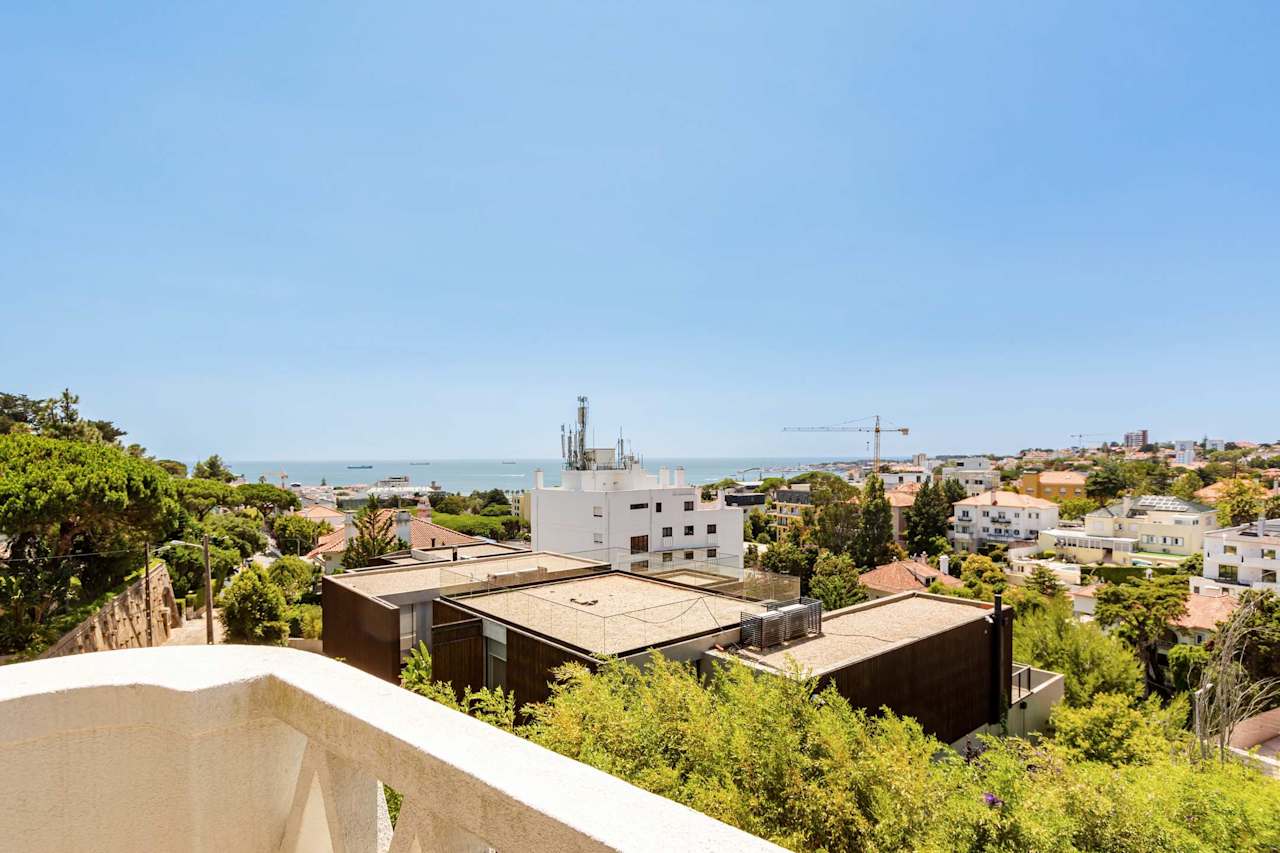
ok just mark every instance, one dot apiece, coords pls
pixel 331 230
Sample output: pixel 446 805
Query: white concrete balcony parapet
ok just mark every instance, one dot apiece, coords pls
pixel 239 748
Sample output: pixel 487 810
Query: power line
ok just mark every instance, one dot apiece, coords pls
pixel 69 556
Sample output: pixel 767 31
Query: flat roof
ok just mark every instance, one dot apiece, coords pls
pixel 612 613
pixel 869 629
pixel 423 576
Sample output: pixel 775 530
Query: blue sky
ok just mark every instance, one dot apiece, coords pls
pixel 310 230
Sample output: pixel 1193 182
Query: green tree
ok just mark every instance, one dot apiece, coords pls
pixel 788 559
pixel 294 576
pixel 1240 501
pixel 297 534
pixel 253 610
pixel 448 504
pixel 1044 581
pixel 243 534
pixel 1074 508
pixel 173 467
pixel 1260 655
pixel 186 566
pixel 873 544
pixel 198 497
pixel 1114 731
pixel 1186 486
pixel 266 498
pixel 837 526
pixel 375 536
pixel 927 519
pixel 1141 612
pixel 835 581
pixel 1271 507
pixel 954 490
pixel 982 577
pixel 1047 636
pixel 1106 482
pixel 213 468
pixel 1186 663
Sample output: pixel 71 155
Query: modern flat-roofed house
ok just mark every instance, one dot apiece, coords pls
pixel 976 473
pixel 947 662
pixel 1245 556
pixel 1001 518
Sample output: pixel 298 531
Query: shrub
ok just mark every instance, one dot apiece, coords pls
pixel 305 621
pixel 294 575
pixel 253 610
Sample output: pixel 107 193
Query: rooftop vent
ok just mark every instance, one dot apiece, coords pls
pixel 782 621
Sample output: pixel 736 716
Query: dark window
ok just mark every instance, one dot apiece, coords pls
pixel 688 506
pixel 639 565
pixel 639 544
pixel 688 555
pixel 711 528
pixel 688 530
pixel 657 507
pixel 639 506
pixel 711 552
pixel 667 557
pixel 666 531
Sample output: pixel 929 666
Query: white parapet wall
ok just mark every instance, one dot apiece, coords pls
pixel 245 749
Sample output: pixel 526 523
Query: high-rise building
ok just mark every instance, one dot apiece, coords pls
pixel 1184 451
pixel 1136 439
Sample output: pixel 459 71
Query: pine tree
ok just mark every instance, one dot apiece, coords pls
pixel 872 546
pixel 927 519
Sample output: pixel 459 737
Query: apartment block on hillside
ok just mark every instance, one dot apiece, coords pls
pixel 1244 556
pixel 976 473
pixel 1000 518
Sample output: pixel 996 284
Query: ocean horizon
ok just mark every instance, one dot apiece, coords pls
pixel 466 475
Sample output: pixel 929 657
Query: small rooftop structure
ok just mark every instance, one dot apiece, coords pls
pixel 614 613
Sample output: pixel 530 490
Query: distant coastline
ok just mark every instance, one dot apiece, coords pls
pixel 466 475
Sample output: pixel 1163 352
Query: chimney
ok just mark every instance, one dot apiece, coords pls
pixel 1126 505
pixel 404 526
pixel 537 478
pixel 679 475
pixel 1262 523
pixel 349 526
pixel 944 564
pixel 662 476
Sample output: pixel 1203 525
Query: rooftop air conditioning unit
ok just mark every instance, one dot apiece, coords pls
pixel 772 629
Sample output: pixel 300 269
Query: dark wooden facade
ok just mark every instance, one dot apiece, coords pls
pixel 457 654
pixel 531 663
pixel 362 631
pixel 953 682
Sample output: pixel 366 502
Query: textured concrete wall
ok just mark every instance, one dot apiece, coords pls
pixel 121 623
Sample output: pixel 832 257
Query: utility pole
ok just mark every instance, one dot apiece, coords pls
pixel 208 595
pixel 146 589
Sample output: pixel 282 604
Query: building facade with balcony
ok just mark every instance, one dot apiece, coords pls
pixel 976 473
pixel 1244 556
pixel 789 504
pixel 1000 518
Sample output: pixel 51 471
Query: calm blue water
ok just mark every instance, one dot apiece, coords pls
pixel 465 475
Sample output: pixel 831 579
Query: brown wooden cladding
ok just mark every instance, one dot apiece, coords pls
pixel 443 613
pixel 530 665
pixel 362 631
pixel 943 680
pixel 457 653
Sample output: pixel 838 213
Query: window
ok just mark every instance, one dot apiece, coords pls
pixel 986 513
pixel 688 506
pixel 711 552
pixel 688 530
pixel 1268 553
pixel 597 538
pixel 1268 575
pixel 639 544
pixel 1228 549
pixel 639 506
pixel 688 555
pixel 986 530
pixel 1228 573
pixel 495 663
pixel 667 557
pixel 666 531
pixel 711 528
pixel 597 511
pixel 657 507
pixel 639 565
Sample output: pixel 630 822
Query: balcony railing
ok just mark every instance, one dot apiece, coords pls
pixel 239 748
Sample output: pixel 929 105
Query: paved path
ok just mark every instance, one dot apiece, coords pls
pixel 192 632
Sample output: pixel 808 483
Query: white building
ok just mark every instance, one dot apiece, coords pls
pixel 1245 555
pixel 1184 452
pixel 1000 518
pixel 607 502
pixel 1211 444
pixel 976 473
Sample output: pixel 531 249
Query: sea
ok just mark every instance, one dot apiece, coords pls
pixel 510 475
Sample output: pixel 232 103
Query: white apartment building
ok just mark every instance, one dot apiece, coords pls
pixel 1211 444
pixel 608 505
pixel 997 517
pixel 976 473
pixel 1244 556
pixel 635 516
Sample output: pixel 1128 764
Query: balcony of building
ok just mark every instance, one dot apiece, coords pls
pixel 238 748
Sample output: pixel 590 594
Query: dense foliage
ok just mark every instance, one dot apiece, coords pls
pixel 254 610
pixel 1047 635
pixel 297 534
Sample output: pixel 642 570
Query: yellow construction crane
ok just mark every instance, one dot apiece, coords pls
pixel 844 427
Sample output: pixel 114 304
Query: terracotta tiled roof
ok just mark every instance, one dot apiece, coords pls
pixel 1009 499
pixel 317 512
pixel 1062 478
pixel 423 534
pixel 1204 612
pixel 905 576
pixel 334 542
pixel 900 497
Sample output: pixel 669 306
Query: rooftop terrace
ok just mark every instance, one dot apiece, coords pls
pixel 379 583
pixel 613 613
